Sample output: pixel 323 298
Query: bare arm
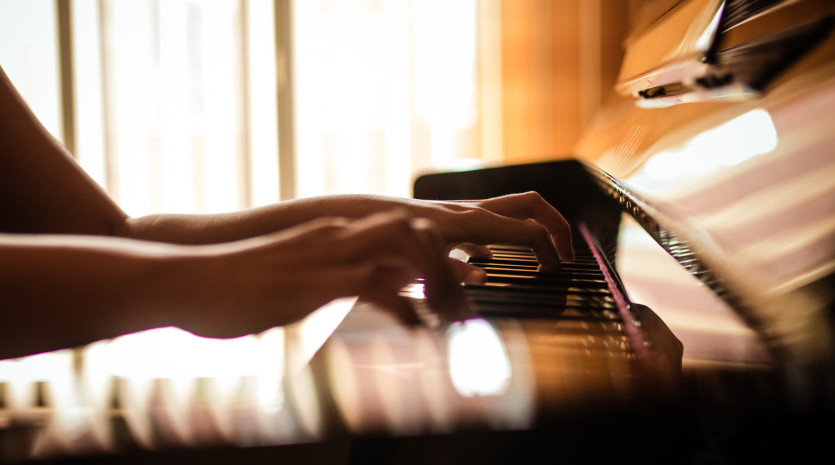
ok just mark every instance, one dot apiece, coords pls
pixel 42 189
pixel 60 291
pixel 524 219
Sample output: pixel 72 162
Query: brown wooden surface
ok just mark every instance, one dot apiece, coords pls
pixel 559 58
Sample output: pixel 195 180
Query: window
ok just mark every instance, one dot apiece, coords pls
pixel 176 105
pixel 187 101
pixel 28 54
pixel 385 89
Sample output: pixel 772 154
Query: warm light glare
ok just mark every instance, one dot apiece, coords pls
pixel 415 291
pixel 478 361
pixel 706 39
pixel 731 143
pixel 269 394
pixel 174 353
pixel 311 332
pixel 41 367
pixel 22 373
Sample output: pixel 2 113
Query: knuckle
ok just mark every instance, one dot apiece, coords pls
pixel 477 214
pixel 532 196
pixel 329 224
pixel 383 226
pixel 422 224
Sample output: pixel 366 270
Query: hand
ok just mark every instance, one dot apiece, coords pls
pixel 281 277
pixel 520 219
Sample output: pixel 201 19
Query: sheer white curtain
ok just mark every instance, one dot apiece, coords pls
pixel 28 54
pixel 385 89
pixel 176 106
pixel 187 102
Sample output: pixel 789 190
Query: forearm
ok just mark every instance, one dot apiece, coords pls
pixel 227 227
pixel 58 292
pixel 503 219
pixel 42 189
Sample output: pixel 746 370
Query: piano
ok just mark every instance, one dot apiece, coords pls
pixel 694 325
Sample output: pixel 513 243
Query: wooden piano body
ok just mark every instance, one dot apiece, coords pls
pixel 713 339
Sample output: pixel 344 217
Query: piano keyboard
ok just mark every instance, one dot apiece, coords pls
pixel 583 295
pixel 515 286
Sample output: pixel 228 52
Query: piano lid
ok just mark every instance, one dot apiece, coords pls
pixel 719 49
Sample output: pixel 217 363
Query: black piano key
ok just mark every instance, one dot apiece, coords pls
pixel 566 268
pixel 579 253
pixel 584 280
pixel 515 286
pixel 530 260
pixel 525 310
pixel 527 284
pixel 530 295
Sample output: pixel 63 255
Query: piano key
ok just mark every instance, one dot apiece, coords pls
pixel 500 310
pixel 524 296
pixel 514 276
pixel 512 265
pixel 516 288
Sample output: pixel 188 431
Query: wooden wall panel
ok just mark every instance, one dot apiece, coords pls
pixel 559 60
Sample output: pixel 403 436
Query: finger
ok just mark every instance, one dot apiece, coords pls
pixel 531 205
pixel 394 237
pixel 467 273
pixel 474 250
pixel 380 283
pixel 443 291
pixel 489 228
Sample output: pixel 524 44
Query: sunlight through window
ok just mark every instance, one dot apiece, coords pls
pixel 384 90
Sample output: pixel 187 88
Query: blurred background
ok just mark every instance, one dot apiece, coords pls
pixel 216 105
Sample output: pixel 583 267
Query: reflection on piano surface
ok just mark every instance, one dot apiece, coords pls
pixel 712 203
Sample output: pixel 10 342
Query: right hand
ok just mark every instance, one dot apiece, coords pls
pixel 281 277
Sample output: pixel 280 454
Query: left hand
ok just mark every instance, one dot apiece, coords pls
pixel 521 219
